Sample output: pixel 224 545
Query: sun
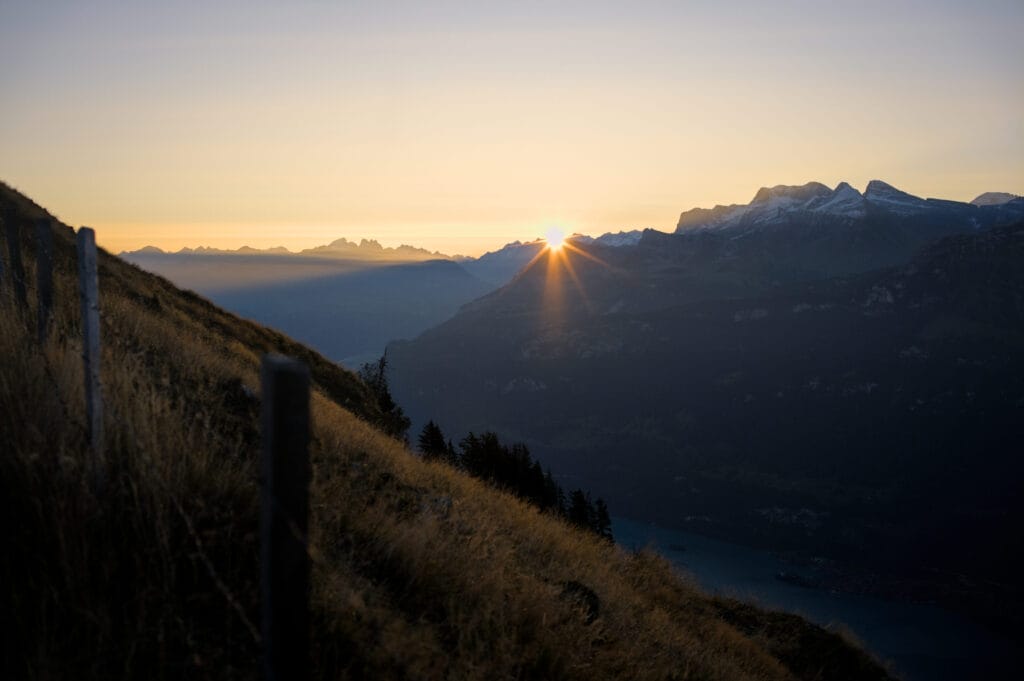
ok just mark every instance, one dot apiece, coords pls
pixel 555 239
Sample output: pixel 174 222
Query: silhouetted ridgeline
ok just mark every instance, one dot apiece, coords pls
pixel 418 570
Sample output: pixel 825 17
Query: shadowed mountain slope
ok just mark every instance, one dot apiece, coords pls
pixel 873 418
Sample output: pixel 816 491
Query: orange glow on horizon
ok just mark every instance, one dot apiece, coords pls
pixel 463 130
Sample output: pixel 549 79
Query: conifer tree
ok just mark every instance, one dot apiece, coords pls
pixel 580 510
pixel 513 468
pixel 393 420
pixel 431 442
pixel 603 521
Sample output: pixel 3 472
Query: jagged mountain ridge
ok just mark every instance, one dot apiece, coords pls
pixel 815 203
pixel 372 250
pixel 365 249
pixel 801 233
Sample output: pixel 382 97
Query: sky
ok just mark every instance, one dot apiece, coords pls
pixel 462 126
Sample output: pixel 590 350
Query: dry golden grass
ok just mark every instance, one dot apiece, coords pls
pixel 419 572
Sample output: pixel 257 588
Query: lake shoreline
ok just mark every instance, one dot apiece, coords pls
pixel 923 641
pixel 994 606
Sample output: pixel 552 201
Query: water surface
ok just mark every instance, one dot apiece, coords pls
pixel 921 642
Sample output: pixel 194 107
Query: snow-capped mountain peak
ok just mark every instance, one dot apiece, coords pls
pixel 814 205
pixel 814 201
pixel 843 200
pixel 697 218
pixel 772 204
pixel 620 238
pixel 994 198
pixel 893 199
pixel 795 194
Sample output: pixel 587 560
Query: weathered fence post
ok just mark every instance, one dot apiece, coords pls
pixel 14 260
pixel 1 258
pixel 284 519
pixel 44 276
pixel 88 285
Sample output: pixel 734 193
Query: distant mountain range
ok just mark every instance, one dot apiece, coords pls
pixel 346 299
pixel 820 370
pixel 811 231
pixel 323 295
pixel 365 249
pixel 815 203
pixel 499 265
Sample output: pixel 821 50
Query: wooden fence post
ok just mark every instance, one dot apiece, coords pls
pixel 14 261
pixel 2 258
pixel 284 519
pixel 44 276
pixel 88 285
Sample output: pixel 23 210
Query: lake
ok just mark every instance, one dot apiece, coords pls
pixel 921 642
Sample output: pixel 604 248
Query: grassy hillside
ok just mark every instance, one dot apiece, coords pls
pixel 418 572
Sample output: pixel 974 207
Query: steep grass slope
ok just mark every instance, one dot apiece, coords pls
pixel 419 572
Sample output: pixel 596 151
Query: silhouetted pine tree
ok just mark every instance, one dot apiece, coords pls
pixel 602 521
pixel 534 482
pixel 471 456
pixel 431 442
pixel 554 498
pixel 581 512
pixel 393 420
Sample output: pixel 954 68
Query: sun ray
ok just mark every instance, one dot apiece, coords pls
pixel 533 261
pixel 560 252
pixel 564 257
pixel 554 298
pixel 569 245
